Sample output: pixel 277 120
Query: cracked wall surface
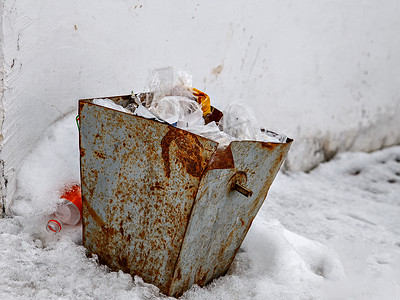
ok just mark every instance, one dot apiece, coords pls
pixel 323 73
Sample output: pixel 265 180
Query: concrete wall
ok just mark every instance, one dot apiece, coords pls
pixel 323 72
pixel 2 177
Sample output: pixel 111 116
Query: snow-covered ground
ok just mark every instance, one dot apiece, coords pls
pixel 332 233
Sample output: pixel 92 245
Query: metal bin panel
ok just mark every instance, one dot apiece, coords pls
pixel 139 180
pixel 222 216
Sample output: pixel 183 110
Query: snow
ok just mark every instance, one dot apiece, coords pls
pixel 332 233
pixel 52 165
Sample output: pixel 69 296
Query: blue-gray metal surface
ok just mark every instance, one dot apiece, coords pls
pixel 222 216
pixel 162 203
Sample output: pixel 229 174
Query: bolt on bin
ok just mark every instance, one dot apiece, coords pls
pixel 163 203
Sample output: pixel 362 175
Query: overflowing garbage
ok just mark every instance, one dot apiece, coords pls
pixel 163 202
pixel 172 99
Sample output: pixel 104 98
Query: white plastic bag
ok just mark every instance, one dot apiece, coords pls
pixel 178 111
pixel 142 111
pixel 172 97
pixel 271 137
pixel 167 108
pixel 191 113
pixel 110 104
pixel 211 131
pixel 240 122
pixel 168 81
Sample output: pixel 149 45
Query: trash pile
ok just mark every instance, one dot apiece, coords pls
pixel 171 99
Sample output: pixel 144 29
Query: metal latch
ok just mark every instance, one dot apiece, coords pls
pixel 238 183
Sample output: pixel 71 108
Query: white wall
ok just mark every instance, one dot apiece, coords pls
pixel 326 73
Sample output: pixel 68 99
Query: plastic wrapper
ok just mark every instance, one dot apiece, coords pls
pixel 272 137
pixel 211 131
pixel 173 100
pixel 134 108
pixel 142 111
pixel 191 113
pixel 239 121
pixel 168 81
pixel 178 111
pixel 110 104
pixel 167 108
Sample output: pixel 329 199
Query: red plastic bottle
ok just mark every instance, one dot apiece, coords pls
pixel 69 211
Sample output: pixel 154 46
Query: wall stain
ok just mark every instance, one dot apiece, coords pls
pixel 217 70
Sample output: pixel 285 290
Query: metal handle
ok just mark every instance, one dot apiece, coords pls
pixel 243 190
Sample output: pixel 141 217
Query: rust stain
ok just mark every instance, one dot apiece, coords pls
pixel 222 159
pixel 270 146
pixel 81 104
pixel 99 154
pixel 142 227
pixel 123 262
pixel 156 186
pixel 239 177
pixel 92 213
pixel 188 153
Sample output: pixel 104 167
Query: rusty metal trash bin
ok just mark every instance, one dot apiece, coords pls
pixel 162 203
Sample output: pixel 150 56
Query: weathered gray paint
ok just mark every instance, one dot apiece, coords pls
pixel 159 202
